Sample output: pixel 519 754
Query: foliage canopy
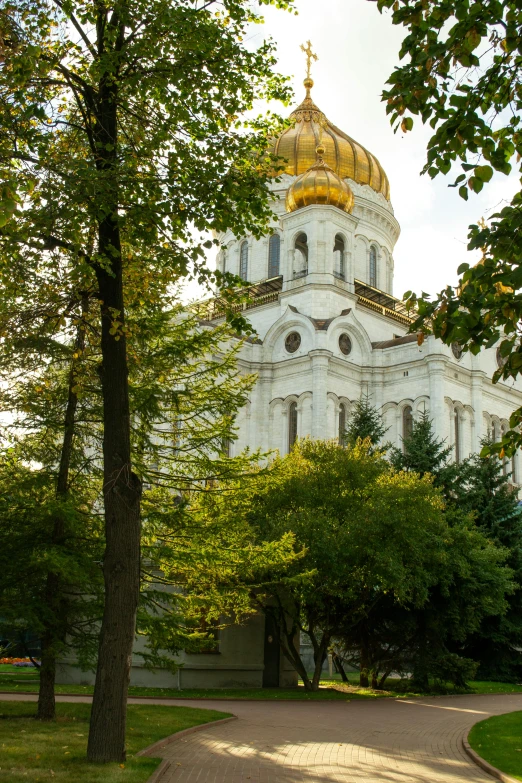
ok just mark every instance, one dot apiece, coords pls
pixel 463 75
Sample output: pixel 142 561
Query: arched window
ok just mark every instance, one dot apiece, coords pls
pixel 243 261
pixel 457 436
pixel 342 424
pixel 373 266
pixel 301 255
pixel 224 260
pixel 339 256
pixel 407 422
pixel 274 255
pixel 292 424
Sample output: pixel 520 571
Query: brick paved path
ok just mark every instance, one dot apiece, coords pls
pixel 381 741
pixel 384 741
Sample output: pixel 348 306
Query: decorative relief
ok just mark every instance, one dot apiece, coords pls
pixel 345 344
pixel 457 351
pixel 292 342
pixel 501 360
pixel 365 191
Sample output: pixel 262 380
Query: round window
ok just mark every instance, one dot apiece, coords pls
pixel 457 350
pixel 292 342
pixel 345 344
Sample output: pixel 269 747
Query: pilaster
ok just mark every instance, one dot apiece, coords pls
pixel 477 384
pixel 320 359
pixel 437 371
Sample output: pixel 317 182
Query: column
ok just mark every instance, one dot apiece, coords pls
pixel 437 371
pixel 320 358
pixel 261 396
pixel 477 382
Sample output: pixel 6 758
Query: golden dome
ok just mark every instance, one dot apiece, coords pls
pixel 319 185
pixel 345 156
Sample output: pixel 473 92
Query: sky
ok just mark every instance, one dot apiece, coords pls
pixel 357 49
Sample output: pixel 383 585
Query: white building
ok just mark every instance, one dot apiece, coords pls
pixel 329 330
pixel 328 327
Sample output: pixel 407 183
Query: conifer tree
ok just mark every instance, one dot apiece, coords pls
pixel 423 453
pixel 485 490
pixel 365 422
pixel 185 392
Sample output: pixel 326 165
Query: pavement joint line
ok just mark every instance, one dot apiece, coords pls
pixel 162 743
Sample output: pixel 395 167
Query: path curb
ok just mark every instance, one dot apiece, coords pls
pixel 483 764
pixel 159 772
pixel 162 743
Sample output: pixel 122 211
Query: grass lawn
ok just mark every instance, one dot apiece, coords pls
pixel 499 741
pixel 35 752
pixel 24 680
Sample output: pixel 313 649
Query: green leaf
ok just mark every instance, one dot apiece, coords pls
pixel 484 173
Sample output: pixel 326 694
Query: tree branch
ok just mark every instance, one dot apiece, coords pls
pixel 78 28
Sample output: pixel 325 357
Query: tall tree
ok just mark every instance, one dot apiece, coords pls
pixel 423 453
pixel 365 422
pixel 186 391
pixel 122 118
pixel 365 533
pixel 463 75
pixel 476 489
pixel 484 489
pixel 41 374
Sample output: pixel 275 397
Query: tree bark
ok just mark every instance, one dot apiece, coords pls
pixel 46 709
pixel 121 566
pixel 319 659
pixel 286 637
pixel 340 668
pixel 121 487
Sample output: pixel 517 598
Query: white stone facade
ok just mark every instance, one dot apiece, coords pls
pixel 322 298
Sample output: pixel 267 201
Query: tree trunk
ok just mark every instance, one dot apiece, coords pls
pixel 319 659
pixel 121 487
pixel 122 491
pixel 340 668
pixel 46 701
pixel 375 681
pixel 286 639
pixel 55 624
pixel 365 662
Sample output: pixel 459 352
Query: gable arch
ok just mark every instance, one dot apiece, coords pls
pixel 349 323
pixel 289 321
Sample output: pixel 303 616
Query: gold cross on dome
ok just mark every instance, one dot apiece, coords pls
pixel 309 56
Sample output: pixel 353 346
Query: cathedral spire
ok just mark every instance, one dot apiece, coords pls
pixel 310 55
